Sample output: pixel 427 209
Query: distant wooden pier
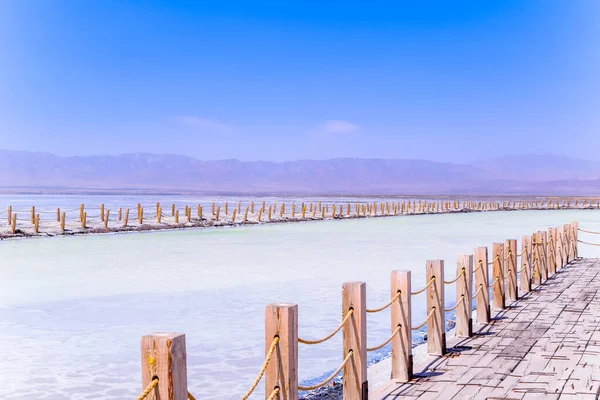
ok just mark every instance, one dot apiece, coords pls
pixel 535 331
pixel 86 219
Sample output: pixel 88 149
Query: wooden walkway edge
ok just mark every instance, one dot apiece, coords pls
pixel 546 345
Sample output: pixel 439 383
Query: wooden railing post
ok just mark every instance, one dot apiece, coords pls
pixel 498 276
pixel 559 248
pixel 525 264
pixel 281 320
pixel 481 289
pixel 574 237
pixel 436 326
pixel 126 219
pixel 566 243
pixel 464 294
pixel 551 251
pixel 9 215
pixel 402 363
pixel 355 339
pixel 536 259
pixel 544 255
pixel 13 223
pixel 164 357
pixel 512 290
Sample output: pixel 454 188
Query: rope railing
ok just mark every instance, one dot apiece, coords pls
pixel 190 397
pixel 389 339
pixel 497 258
pixel 336 330
pixel 425 288
pixel 588 243
pixel 455 306
pixel 586 231
pixel 478 266
pixel 272 396
pixel 508 255
pixel 462 272
pixel 477 292
pixel 263 368
pixel 389 303
pixel 148 389
pixel 329 378
pixel 422 324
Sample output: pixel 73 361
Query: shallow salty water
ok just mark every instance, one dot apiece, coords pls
pixel 73 309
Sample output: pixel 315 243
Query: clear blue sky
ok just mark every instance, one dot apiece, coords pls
pixel 285 80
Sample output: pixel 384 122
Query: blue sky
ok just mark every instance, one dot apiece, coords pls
pixel 285 80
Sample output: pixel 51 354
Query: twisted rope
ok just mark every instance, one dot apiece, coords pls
pixel 508 255
pixel 387 340
pixel 190 397
pixel 148 389
pixel 263 368
pixel 273 395
pixel 479 266
pixel 477 292
pixel 330 377
pixel 348 314
pixel 425 288
pixel 592 232
pixel 591 244
pixel 497 258
pixel 374 310
pixel 424 322
pixel 462 272
pixel 456 305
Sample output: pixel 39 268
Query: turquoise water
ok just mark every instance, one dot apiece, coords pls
pixel 73 309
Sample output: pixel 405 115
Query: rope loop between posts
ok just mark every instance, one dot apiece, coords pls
pixel 148 389
pixel 591 244
pixel 263 368
pixel 374 310
pixel 586 231
pixel 462 272
pixel 477 292
pixel 387 340
pixel 479 266
pixel 424 322
pixel 495 281
pixel 508 255
pixel 462 299
pixel 425 288
pixel 336 330
pixel 497 258
pixel 330 377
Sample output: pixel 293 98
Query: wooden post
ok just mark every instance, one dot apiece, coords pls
pixel 355 340
pixel 102 212
pixel 259 214
pixel 270 209
pixel 36 223
pixel 199 212
pixel 141 215
pixel 526 264
pixel 436 326
pixel 551 253
pixel 281 320
pixel 252 207
pixel 9 215
pixel 32 215
pixel 63 217
pixel 536 259
pixel 164 357
pixel 512 290
pixel 239 207
pixel 173 209
pixel 58 214
pixel 158 209
pixel 293 210
pixel 281 210
pixel 567 244
pixel 464 294
pixel 106 218
pixel 217 214
pixel 482 294
pixel 189 214
pixel 574 237
pixel 544 255
pixel 84 221
pixel 226 208
pixel 176 216
pixel 13 223
pixel 120 213
pixel 126 217
pixel 402 360
pixel 213 208
pixel 246 214
pixel 498 276
pixel 233 215
pixel 159 215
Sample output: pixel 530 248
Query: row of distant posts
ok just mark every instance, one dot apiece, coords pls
pixel 542 254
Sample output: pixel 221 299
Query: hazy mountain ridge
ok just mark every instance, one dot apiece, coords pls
pixel 505 175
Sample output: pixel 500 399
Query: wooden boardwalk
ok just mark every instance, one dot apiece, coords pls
pixel 544 346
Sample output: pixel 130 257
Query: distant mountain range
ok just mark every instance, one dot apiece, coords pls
pixel 22 171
